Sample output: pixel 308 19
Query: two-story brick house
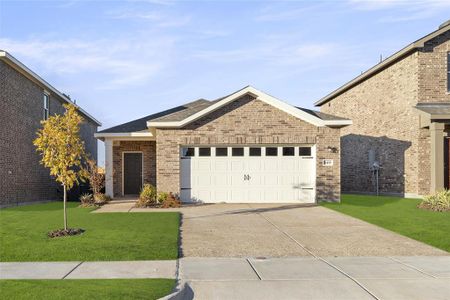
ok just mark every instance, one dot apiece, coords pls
pixel 25 100
pixel 400 110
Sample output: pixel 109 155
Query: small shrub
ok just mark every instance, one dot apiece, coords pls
pixel 101 199
pixel 86 200
pixel 439 201
pixel 147 197
pixel 162 196
pixel 171 201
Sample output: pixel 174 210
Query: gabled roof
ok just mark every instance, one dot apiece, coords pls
pixel 182 115
pixel 420 43
pixel 16 64
pixel 303 114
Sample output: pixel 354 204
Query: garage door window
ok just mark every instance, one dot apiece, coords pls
pixel 304 151
pixel 255 151
pixel 237 152
pixel 271 151
pixel 221 151
pixel 288 151
pixel 187 152
pixel 204 151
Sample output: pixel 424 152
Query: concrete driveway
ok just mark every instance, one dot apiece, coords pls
pixel 274 230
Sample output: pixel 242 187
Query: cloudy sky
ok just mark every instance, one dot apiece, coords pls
pixel 122 60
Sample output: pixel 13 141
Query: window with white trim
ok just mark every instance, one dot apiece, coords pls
pixel 46 106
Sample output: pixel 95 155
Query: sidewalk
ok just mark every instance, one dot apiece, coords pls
pixel 89 270
pixel 412 277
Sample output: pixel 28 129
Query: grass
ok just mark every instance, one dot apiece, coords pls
pixel 86 289
pixel 399 215
pixel 108 236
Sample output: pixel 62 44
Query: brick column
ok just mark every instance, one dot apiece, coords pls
pixel 437 156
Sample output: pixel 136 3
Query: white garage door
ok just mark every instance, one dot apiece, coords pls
pixel 252 174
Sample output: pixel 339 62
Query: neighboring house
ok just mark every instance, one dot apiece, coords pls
pixel 25 100
pixel 245 147
pixel 400 110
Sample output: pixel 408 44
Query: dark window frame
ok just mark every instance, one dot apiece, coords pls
pixel 222 148
pixel 289 154
pixel 237 154
pixel 254 154
pixel 309 153
pixel 267 151
pixel 207 149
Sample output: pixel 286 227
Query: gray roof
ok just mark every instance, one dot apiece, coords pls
pixel 321 115
pixel 180 113
pixel 434 108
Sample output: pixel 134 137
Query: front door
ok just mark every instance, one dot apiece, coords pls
pixel 447 163
pixel 132 173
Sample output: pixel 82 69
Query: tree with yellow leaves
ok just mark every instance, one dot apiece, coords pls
pixel 62 150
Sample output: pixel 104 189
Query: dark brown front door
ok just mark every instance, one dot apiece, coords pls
pixel 132 173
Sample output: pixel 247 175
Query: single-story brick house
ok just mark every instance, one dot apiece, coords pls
pixel 244 147
pixel 400 110
pixel 25 100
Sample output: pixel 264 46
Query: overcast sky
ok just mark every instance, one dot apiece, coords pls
pixel 122 60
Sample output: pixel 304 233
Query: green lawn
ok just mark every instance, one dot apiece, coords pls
pixel 108 236
pixel 86 289
pixel 399 215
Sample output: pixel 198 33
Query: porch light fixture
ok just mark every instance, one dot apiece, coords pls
pixel 332 149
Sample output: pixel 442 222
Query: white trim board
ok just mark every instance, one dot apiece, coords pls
pixel 249 90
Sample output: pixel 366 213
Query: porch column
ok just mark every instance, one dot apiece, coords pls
pixel 109 187
pixel 437 156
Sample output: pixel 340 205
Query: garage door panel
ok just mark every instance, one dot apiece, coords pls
pixel 241 179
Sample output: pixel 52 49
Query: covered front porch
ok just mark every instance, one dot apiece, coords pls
pixel 130 162
pixel 435 126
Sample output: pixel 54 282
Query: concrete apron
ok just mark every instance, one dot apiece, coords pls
pixel 316 278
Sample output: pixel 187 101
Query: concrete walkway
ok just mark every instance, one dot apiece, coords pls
pixel 89 270
pixel 347 278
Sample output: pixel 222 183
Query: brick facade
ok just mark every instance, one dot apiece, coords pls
pixel 248 121
pixel 148 149
pixel 386 122
pixel 22 178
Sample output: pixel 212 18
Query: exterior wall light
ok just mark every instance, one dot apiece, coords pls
pixel 332 149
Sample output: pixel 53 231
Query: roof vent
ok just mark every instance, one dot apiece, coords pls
pixel 446 23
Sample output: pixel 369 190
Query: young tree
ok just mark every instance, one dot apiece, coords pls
pixel 62 150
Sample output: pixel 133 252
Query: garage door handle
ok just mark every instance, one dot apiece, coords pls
pixel 246 177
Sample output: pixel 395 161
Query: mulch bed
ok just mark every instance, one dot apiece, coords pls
pixel 65 232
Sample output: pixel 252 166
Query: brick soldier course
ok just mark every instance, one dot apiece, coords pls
pixel 22 178
pixel 395 107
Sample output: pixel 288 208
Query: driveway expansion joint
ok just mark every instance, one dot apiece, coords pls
pixel 253 268
pixel 64 277
pixel 320 258
pixel 412 267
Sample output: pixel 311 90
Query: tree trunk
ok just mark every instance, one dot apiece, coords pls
pixel 65 209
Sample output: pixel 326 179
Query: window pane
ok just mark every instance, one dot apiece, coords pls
pixel 304 151
pixel 255 151
pixel 448 72
pixel 271 151
pixel 288 151
pixel 204 151
pixel 221 152
pixel 46 101
pixel 237 151
pixel 187 152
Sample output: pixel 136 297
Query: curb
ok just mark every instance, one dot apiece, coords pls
pixel 182 292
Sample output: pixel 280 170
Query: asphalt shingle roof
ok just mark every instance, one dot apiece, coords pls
pixel 180 113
